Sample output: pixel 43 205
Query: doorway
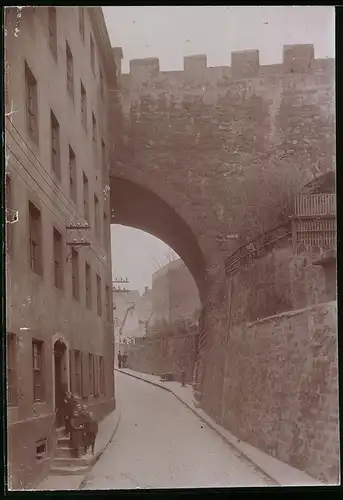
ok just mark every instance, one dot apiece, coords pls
pixel 61 385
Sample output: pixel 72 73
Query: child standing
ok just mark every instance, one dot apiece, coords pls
pixel 76 433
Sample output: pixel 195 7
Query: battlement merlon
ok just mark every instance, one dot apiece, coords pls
pixel 244 64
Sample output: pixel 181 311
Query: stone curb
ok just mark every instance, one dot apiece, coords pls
pixel 100 453
pixel 271 481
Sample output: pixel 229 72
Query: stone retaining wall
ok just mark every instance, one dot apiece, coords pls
pixel 281 388
pixel 157 356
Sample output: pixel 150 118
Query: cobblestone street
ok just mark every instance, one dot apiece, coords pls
pixel 162 444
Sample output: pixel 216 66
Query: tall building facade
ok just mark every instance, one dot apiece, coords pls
pixel 175 296
pixel 60 79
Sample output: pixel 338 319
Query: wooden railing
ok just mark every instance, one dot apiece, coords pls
pixel 315 204
pixel 314 221
pixel 259 246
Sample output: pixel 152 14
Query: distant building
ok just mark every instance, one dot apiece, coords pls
pixel 175 296
pixel 132 311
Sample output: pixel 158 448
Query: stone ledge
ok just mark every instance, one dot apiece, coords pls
pixel 278 473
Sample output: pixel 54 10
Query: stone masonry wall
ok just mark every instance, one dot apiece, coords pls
pixel 170 354
pixel 278 282
pixel 197 137
pixel 281 388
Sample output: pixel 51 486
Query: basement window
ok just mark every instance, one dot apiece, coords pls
pixel 41 451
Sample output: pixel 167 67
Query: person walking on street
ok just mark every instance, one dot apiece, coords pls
pixel 124 360
pixel 119 359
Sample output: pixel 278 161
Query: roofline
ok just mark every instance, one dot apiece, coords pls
pixel 96 16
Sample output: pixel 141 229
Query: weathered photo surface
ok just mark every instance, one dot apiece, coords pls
pixel 170 209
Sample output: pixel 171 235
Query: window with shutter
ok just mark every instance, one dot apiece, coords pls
pixel 12 388
pixel 70 71
pixel 83 106
pixel 38 370
pixel 82 22
pixel 77 365
pixel 55 145
pixel 8 205
pixel 53 30
pixel 35 239
pixel 102 375
pixel 72 175
pixel 31 103
pixel 85 375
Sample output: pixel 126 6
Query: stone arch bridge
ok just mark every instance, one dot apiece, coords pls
pixel 196 141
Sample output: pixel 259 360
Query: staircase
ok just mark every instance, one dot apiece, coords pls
pixel 63 462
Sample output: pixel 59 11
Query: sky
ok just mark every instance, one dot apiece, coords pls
pixel 170 33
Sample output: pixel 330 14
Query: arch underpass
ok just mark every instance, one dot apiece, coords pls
pixel 138 207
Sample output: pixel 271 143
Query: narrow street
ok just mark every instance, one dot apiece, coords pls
pixel 162 444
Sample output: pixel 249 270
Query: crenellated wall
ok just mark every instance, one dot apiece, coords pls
pixel 205 133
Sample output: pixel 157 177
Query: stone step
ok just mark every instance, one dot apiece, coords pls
pixel 63 452
pixel 71 461
pixel 60 432
pixel 69 471
pixel 63 441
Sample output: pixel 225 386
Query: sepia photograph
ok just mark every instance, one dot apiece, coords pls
pixel 170 248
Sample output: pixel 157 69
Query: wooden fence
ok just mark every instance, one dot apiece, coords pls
pixel 314 221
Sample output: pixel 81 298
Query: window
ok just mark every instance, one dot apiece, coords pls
pixel 38 370
pixel 102 375
pixel 104 162
pixel 94 129
pixel 102 92
pixel 91 373
pixel 9 213
pixel 84 375
pixel 96 216
pixel 85 197
pixel 83 106
pixel 35 232
pixel 92 51
pixel 72 175
pixel 58 259
pixel 75 274
pixel 105 231
pixel 12 387
pixel 55 145
pixel 98 295
pixel 53 30
pixel 108 303
pixel 82 22
pixel 70 71
pixel 96 376
pixel 77 365
pixel 31 104
pixel 88 284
